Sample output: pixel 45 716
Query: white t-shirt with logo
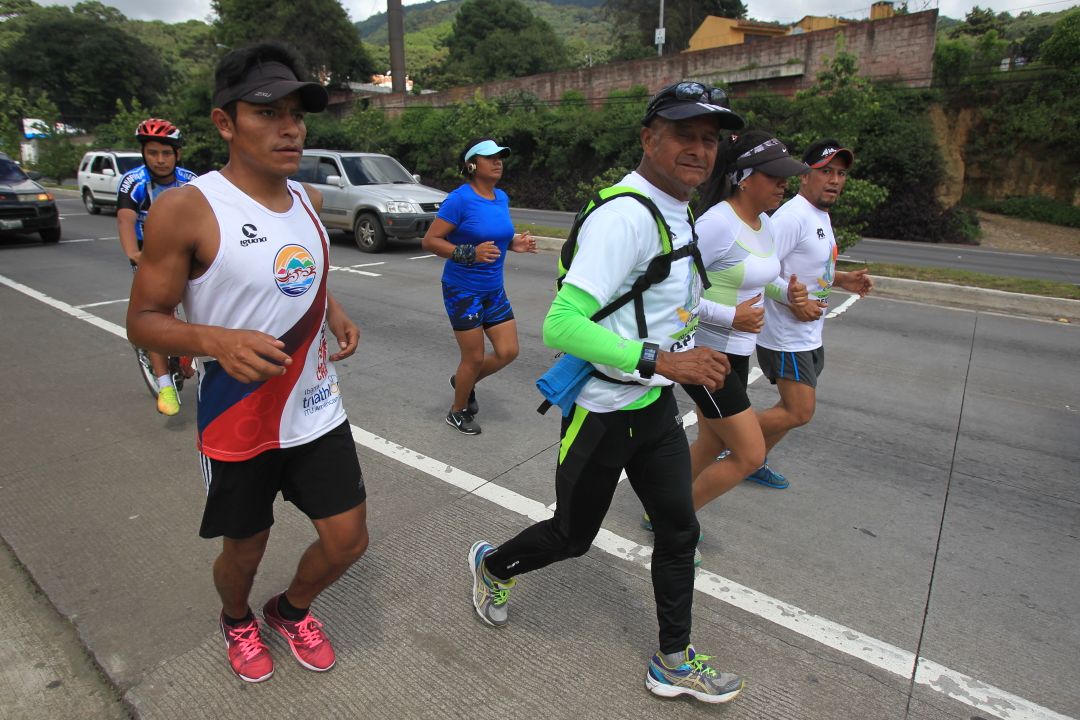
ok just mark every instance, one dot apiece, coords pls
pixel 806 247
pixel 615 245
pixel 740 262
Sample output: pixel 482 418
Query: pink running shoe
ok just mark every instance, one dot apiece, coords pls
pixel 306 639
pixel 248 656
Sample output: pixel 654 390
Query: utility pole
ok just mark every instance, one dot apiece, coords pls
pixel 395 29
pixel 660 32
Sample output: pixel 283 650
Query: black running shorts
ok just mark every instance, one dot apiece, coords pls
pixel 728 400
pixel 322 478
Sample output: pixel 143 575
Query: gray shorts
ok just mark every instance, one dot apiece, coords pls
pixel 804 366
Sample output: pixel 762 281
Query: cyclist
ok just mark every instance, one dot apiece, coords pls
pixel 161 142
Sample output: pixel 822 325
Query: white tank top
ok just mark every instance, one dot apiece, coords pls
pixel 270 275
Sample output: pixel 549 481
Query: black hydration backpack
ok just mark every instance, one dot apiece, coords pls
pixel 660 266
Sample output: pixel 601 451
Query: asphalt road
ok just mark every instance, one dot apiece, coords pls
pixel 934 513
pixel 958 257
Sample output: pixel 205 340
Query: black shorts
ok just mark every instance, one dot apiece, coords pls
pixel 728 400
pixel 322 478
pixel 803 367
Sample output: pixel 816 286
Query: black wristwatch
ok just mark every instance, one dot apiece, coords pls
pixel 646 366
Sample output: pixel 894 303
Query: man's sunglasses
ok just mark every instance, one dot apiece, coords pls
pixel 692 91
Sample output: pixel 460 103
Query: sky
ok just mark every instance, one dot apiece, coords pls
pixel 770 10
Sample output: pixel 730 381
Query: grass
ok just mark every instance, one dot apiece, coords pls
pixel 1046 288
pixel 543 230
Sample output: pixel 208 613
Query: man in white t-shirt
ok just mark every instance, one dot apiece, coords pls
pixel 626 415
pixel 789 347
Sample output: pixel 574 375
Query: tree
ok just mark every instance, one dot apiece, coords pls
pixel 82 64
pixel 636 20
pixel 1062 48
pixel 494 39
pixel 320 30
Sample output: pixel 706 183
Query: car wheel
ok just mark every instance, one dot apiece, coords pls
pixel 50 235
pixel 368 233
pixel 88 201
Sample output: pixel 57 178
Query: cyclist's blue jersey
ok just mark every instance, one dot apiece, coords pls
pixel 138 190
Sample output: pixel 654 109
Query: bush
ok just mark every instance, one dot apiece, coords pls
pixel 1039 208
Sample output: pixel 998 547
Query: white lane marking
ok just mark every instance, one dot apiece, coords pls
pixel 65 242
pixel 72 214
pixel 951 683
pixel 65 308
pixel 842 307
pixel 99 304
pixel 381 262
pixel 352 270
pixel 422 257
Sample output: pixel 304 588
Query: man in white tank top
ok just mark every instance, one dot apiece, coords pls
pixel 789 347
pixel 245 251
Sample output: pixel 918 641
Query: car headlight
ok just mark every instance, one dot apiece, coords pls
pixel 36 197
pixel 400 207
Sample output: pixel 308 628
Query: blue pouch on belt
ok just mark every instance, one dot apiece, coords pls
pixel 561 384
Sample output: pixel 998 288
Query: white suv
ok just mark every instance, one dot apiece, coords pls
pixel 99 176
pixel 369 195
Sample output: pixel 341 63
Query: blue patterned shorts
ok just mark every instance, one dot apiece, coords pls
pixel 469 309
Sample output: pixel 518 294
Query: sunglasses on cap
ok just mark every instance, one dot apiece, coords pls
pixel 690 92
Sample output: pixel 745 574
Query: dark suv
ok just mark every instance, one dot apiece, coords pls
pixel 25 206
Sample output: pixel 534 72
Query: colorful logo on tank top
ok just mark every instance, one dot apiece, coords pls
pixel 294 270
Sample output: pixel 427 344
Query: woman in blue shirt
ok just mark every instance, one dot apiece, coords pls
pixel 473 231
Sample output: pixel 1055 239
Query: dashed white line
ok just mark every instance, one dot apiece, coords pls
pixel 898 661
pixel 342 268
pixel 842 307
pixel 422 257
pixel 381 262
pixel 99 304
pixel 79 240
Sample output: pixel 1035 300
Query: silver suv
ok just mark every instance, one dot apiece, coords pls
pixel 99 176
pixel 370 195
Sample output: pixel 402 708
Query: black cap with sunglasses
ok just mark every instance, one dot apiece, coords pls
pixel 688 99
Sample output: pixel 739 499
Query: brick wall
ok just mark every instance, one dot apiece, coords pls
pixel 899 48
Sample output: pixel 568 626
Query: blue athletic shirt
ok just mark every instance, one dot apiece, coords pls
pixel 477 220
pixel 138 189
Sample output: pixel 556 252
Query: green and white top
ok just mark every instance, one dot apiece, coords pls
pixel 740 262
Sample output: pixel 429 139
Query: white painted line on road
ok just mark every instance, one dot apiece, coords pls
pixel 356 272
pixel 951 683
pixel 65 308
pixel 422 257
pixel 72 214
pixel 65 242
pixel 381 262
pixel 843 307
pixel 99 304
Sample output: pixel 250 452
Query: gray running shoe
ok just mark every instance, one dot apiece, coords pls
pixel 473 407
pixel 693 677
pixel 463 421
pixel 489 596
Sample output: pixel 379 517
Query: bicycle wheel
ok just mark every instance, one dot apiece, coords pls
pixel 147 371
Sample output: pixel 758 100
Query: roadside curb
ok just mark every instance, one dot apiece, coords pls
pixel 962 296
pixel 935 293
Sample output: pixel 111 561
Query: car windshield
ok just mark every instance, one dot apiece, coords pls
pixel 127 164
pixel 10 172
pixel 375 170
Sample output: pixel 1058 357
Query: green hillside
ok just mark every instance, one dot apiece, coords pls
pixel 581 24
